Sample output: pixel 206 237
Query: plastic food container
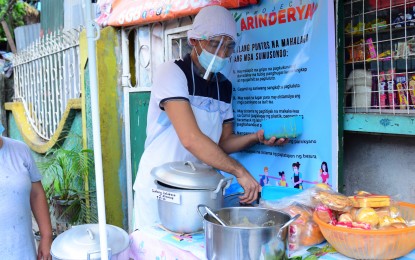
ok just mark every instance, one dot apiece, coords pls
pixel 372 244
pixel 290 127
pixel 277 192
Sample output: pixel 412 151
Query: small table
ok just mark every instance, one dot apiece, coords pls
pixel 158 243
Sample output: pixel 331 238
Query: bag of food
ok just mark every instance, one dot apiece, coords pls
pixel 333 200
pixel 304 231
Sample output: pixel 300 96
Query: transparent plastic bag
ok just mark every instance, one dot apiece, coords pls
pixel 304 231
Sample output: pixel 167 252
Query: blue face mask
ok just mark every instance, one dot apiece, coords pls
pixel 1 128
pixel 205 58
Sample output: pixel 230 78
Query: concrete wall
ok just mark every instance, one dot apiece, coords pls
pixel 69 143
pixel 111 121
pixel 382 164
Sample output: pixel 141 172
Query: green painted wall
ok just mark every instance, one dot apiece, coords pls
pixel 138 121
pixel 382 124
pixel 111 121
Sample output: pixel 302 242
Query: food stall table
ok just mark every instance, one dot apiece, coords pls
pixel 158 243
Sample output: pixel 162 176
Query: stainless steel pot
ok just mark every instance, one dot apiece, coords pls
pixel 181 187
pixel 252 233
pixel 82 242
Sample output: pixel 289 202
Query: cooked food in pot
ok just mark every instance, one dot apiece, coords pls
pixel 245 223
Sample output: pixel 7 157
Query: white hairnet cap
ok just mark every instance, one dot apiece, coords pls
pixel 211 21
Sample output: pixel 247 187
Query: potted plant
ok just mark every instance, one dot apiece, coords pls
pixel 67 186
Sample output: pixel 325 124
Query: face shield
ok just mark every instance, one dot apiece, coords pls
pixel 215 53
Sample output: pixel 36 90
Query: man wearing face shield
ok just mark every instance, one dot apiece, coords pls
pixel 190 114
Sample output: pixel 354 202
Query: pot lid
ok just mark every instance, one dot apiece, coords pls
pixel 187 175
pixel 77 242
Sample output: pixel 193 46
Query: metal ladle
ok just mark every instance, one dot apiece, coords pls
pixel 211 213
pixel 288 223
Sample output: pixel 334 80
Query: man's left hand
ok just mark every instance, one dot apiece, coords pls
pixel 273 141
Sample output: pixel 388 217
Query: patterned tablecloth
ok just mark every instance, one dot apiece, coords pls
pixel 159 244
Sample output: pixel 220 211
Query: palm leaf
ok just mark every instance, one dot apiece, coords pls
pixel 66 171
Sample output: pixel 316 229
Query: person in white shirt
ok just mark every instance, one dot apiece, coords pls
pixel 21 193
pixel 190 115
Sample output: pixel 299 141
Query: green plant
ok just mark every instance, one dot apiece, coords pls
pixel 13 13
pixel 66 173
pixel 316 252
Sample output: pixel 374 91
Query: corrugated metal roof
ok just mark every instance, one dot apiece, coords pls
pixel 74 15
pixel 51 16
pixel 25 35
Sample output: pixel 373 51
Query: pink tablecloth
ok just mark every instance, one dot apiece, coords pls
pixel 158 244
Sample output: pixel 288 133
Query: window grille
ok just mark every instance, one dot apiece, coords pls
pixel 154 44
pixel 176 45
pixel 379 56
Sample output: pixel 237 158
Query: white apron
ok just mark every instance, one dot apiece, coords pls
pixel 168 148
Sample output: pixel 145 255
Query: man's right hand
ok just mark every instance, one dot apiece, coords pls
pixel 251 188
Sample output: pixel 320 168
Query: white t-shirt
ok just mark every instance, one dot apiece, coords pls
pixel 17 172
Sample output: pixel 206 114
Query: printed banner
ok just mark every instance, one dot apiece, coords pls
pixel 284 66
pixel 136 12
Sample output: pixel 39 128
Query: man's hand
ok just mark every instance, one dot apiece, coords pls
pixel 251 188
pixel 273 141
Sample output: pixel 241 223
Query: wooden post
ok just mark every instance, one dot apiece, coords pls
pixel 9 36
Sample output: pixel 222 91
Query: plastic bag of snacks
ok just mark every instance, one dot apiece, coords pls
pixel 304 231
pixel 377 210
pixel 332 200
pixel 363 210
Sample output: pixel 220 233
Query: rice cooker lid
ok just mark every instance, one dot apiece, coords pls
pixel 187 175
pixel 77 242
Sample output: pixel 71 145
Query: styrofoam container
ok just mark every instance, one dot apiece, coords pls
pixel 290 127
